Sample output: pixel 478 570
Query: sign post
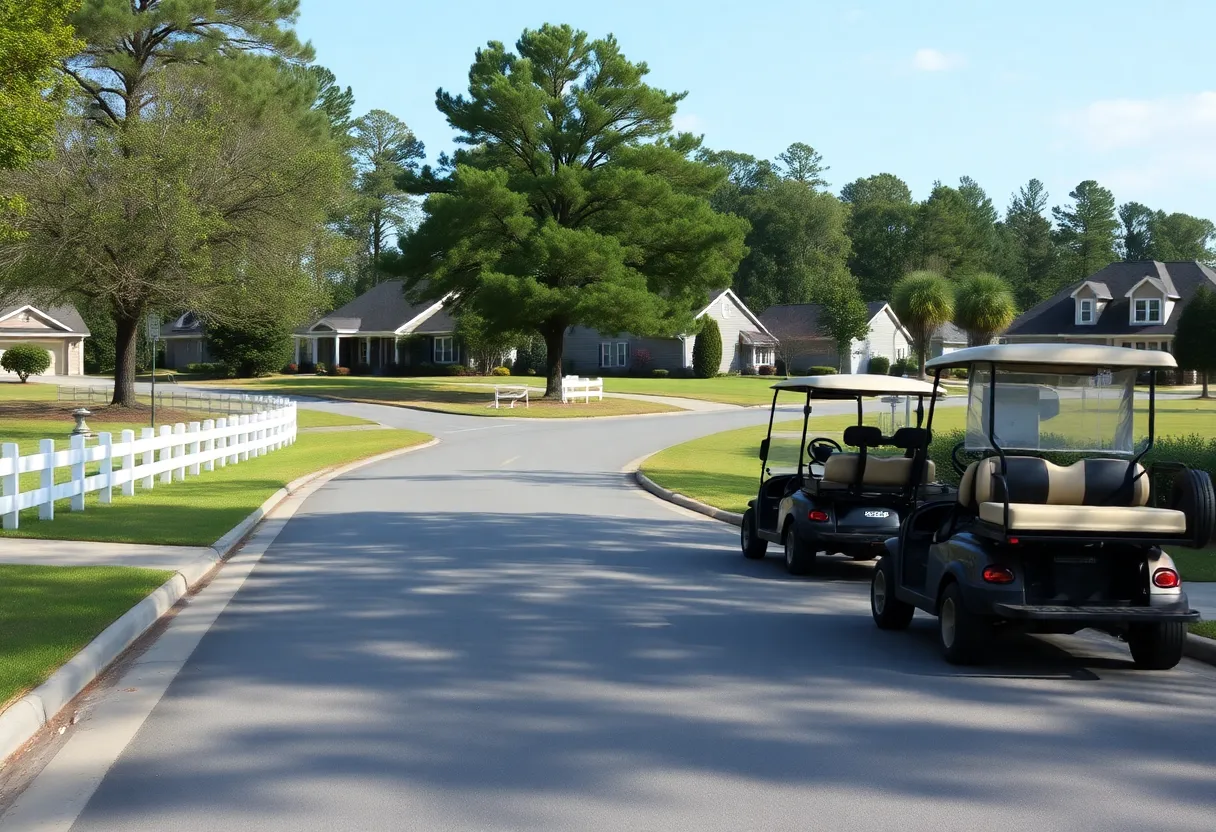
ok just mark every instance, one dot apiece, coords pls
pixel 154 338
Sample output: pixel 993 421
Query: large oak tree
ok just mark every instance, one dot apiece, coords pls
pixel 571 202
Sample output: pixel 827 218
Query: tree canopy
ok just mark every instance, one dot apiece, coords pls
pixel 1194 346
pixel 1087 229
pixel 570 202
pixel 1029 257
pixel 923 301
pixel 384 150
pixel 984 306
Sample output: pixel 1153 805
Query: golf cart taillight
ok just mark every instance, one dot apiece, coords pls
pixel 998 574
pixel 818 516
pixel 1166 579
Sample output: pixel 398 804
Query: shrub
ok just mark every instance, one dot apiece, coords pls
pixel 767 370
pixel 707 349
pixel 748 371
pixel 320 369
pixel 26 360
pixel 879 365
pixel 782 369
pixel 340 371
pixel 307 367
pixel 531 372
pixel 251 348
pixel 500 371
pixel 392 368
pixel 205 368
pixel 659 372
pixel 821 370
pixel 959 372
pixel 291 369
pixel 456 370
pixel 362 368
pixel 903 367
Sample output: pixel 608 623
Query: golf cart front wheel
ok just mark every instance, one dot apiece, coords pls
pixel 1157 646
pixel 889 612
pixel 963 634
pixel 799 558
pixel 754 547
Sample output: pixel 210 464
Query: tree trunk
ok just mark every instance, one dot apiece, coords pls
pixel 126 331
pixel 1203 377
pixel 554 333
pixel 921 346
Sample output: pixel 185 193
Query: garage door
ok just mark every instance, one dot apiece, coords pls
pixel 53 348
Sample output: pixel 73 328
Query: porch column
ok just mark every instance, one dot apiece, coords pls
pixel 368 339
pixel 296 340
pixel 396 350
pixel 312 346
pixel 337 350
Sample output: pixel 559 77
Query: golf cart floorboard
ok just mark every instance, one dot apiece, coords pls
pixel 1106 613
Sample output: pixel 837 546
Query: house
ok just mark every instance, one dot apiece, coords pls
pixel 946 339
pixel 804 344
pixel 380 328
pixel 1128 304
pixel 59 329
pixel 746 344
pixel 185 340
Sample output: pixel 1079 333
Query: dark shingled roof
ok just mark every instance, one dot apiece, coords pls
pixel 950 334
pixel 66 314
pixel 383 308
pixel 801 320
pixel 1057 314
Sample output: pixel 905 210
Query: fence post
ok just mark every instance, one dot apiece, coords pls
pixel 149 455
pixel 166 455
pixel 106 440
pixel 46 511
pixel 209 444
pixel 259 435
pixel 128 463
pixel 12 483
pixel 179 451
pixel 221 442
pixel 194 449
pixel 244 438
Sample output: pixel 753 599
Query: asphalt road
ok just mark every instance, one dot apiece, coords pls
pixel 501 633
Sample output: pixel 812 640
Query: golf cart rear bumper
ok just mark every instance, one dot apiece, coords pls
pixel 1096 614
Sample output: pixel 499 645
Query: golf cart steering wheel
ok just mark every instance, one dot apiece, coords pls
pixel 958 458
pixel 820 448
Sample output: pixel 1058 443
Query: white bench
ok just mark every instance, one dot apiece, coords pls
pixel 510 393
pixel 574 387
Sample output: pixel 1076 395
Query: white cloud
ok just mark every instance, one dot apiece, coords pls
pixel 934 60
pixel 687 123
pixel 1148 144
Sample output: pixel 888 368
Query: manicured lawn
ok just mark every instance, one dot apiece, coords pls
pixel 48 613
pixel 16 391
pixel 464 395
pixel 200 510
pixel 1207 629
pixel 1195 564
pixel 308 418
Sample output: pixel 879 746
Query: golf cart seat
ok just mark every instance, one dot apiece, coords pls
pixel 1091 495
pixel 841 469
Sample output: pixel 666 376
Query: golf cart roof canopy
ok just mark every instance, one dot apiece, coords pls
pixel 1055 355
pixel 851 386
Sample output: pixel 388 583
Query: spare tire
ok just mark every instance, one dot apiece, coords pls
pixel 1194 496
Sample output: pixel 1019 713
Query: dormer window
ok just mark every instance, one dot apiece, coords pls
pixel 1085 312
pixel 1147 311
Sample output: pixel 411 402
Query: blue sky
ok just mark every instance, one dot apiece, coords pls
pixel 1063 91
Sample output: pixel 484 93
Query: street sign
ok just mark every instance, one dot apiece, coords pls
pixel 153 326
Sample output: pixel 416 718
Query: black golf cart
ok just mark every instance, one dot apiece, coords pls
pixel 818 497
pixel 1057 525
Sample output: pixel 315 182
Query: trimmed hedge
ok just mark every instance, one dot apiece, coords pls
pixel 26 360
pixel 879 365
pixel 658 372
pixel 500 371
pixel 819 371
pixel 707 349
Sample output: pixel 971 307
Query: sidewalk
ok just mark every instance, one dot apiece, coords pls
pixel 29 552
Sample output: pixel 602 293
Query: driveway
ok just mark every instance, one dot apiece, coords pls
pixel 502 633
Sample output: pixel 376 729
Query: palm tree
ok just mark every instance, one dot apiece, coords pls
pixel 984 307
pixel 923 301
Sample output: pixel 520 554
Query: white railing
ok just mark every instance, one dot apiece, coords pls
pixel 574 387
pixel 510 393
pixel 170 455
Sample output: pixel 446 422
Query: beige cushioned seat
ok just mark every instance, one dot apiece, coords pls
pixel 1087 496
pixel 880 470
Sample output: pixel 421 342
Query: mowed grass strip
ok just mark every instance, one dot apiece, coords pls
pixel 48 613
pixel 1207 629
pixel 200 510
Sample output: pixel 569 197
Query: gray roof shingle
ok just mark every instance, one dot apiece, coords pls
pixel 1057 314
pixel 64 313
pixel 801 320
pixel 384 308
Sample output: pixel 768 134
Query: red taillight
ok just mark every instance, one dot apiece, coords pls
pixel 998 574
pixel 1166 579
pixel 1013 540
pixel 818 516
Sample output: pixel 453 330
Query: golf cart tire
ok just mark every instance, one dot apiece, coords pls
pixel 1157 646
pixel 895 614
pixel 1193 495
pixel 971 634
pixel 799 558
pixel 754 547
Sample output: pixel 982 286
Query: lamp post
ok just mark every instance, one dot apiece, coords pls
pixel 154 337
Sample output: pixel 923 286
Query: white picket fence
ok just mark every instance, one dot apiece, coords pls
pixel 574 387
pixel 170 455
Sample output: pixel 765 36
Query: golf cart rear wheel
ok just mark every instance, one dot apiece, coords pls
pixel 799 558
pixel 963 635
pixel 889 612
pixel 1157 646
pixel 754 547
pixel 1193 495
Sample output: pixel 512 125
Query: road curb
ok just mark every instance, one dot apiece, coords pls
pixel 686 502
pixel 1200 648
pixel 23 719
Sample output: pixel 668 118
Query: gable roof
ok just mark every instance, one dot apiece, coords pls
pixel 63 317
pixel 751 316
pixel 949 333
pixel 384 309
pixel 801 320
pixel 1057 314
pixel 1099 290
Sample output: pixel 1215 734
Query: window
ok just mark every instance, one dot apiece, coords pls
pixel 900 354
pixel 445 349
pixel 1085 314
pixel 725 308
pixel 1147 311
pixel 614 355
pixel 1139 345
pixel 1127 344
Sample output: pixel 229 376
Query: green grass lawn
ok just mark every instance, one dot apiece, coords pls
pixel 1195 564
pixel 307 418
pixel 1207 629
pixel 16 391
pixel 200 510
pixel 48 613
pixel 464 395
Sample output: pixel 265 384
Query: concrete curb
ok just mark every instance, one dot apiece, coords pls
pixel 23 719
pixel 1200 648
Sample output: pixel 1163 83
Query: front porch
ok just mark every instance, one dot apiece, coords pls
pixel 378 354
pixel 756 350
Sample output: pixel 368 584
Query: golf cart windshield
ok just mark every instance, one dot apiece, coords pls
pixel 1051 409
